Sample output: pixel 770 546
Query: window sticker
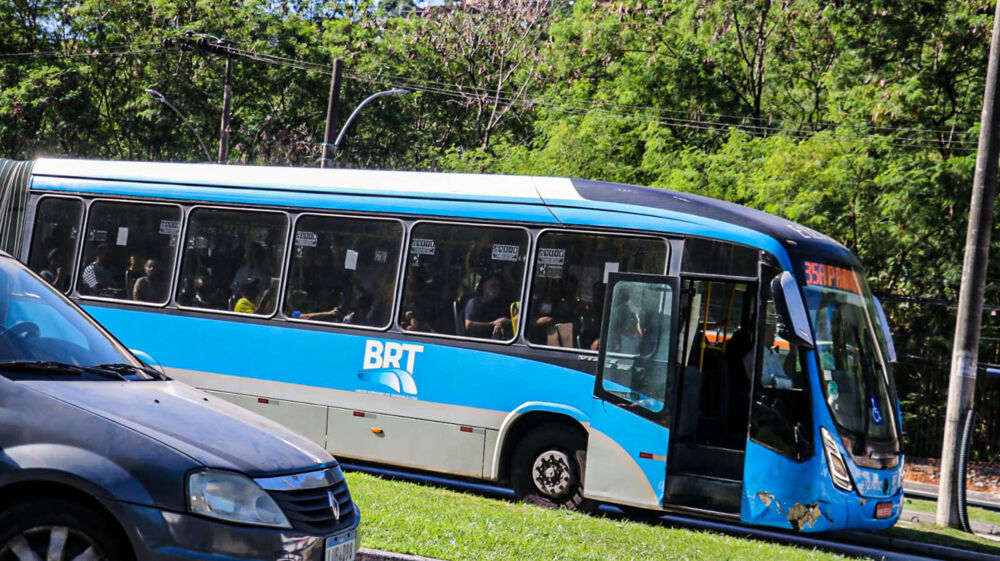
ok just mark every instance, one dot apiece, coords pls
pixel 609 267
pixel 422 246
pixel 503 252
pixel 122 236
pixel 381 256
pixel 351 260
pixel 547 271
pixel 306 239
pixel 170 227
pixel 549 256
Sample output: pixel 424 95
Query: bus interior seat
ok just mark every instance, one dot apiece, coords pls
pixel 560 335
pixel 270 297
pixel 458 315
pixel 713 405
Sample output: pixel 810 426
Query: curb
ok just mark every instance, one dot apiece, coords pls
pixel 905 546
pixel 365 554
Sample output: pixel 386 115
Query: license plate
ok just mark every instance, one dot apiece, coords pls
pixel 883 510
pixel 340 548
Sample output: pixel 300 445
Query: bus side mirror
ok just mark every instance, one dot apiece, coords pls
pixel 793 322
pixel 883 323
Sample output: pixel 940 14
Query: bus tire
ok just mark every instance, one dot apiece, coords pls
pixel 547 468
pixel 34 526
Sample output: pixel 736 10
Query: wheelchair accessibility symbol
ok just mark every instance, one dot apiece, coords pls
pixel 876 412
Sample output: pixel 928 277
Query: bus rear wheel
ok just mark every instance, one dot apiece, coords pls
pixel 547 468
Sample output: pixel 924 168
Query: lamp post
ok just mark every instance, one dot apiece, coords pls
pixel 336 143
pixel 159 97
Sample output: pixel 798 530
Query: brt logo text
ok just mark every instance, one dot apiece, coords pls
pixel 390 364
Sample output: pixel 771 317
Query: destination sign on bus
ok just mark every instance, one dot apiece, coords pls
pixel 830 276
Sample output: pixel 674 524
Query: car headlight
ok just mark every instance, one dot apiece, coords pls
pixel 233 497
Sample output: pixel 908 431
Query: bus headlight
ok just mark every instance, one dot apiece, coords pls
pixel 233 497
pixel 838 469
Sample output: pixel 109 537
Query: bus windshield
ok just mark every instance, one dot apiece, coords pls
pixel 855 375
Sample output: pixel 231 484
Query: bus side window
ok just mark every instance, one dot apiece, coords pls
pixel 343 270
pixel 129 251
pixel 53 240
pixel 570 280
pixel 464 280
pixel 232 260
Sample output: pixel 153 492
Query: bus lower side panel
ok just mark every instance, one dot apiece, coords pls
pixel 364 435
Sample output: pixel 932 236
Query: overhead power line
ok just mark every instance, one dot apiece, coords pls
pixel 134 50
pixel 640 114
pixel 703 121
pixel 596 109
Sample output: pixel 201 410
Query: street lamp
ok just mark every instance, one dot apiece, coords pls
pixel 336 143
pixel 159 97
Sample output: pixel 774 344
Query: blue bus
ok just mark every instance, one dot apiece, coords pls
pixel 579 341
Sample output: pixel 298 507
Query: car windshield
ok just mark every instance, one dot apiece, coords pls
pixel 42 331
pixel 855 375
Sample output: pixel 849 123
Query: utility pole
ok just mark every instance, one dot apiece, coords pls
pixel 213 46
pixel 965 355
pixel 226 105
pixel 332 111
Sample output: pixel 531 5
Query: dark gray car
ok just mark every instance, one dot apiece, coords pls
pixel 102 457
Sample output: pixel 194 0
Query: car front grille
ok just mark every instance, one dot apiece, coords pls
pixel 309 507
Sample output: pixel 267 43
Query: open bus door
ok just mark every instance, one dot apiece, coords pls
pixel 781 425
pixel 626 457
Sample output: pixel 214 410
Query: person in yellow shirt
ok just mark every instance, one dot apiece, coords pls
pixel 249 294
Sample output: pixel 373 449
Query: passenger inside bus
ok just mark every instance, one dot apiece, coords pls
pixel 254 267
pixel 248 296
pixel 152 287
pixel 97 278
pixel 52 273
pixel 487 314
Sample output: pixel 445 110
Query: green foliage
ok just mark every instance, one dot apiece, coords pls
pixel 857 119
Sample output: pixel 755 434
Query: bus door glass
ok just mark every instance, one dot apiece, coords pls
pixel 634 385
pixel 781 427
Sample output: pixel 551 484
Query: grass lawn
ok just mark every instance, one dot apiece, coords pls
pixel 421 520
pixel 929 533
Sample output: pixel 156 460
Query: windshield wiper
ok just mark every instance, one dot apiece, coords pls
pixel 866 405
pixel 123 369
pixel 46 366
pixel 59 368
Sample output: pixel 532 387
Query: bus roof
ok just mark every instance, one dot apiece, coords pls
pixel 553 192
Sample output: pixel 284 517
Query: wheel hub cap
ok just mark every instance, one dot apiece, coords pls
pixel 50 543
pixel 552 473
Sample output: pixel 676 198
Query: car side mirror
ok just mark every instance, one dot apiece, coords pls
pixel 793 321
pixel 148 360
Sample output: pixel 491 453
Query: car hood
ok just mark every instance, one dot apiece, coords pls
pixel 209 429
